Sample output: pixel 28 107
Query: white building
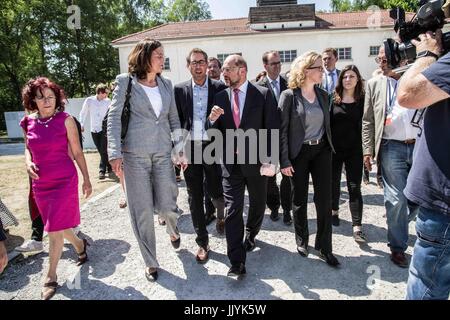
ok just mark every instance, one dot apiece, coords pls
pixel 290 29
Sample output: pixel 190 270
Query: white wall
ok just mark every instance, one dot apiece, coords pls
pixel 253 46
pixel 73 108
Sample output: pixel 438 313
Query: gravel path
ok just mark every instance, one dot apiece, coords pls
pixel 274 270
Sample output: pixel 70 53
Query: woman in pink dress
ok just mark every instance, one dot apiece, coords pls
pixel 52 142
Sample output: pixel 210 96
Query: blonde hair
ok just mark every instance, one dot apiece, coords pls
pixel 297 75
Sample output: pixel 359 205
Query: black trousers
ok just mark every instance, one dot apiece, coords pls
pixel 274 195
pixel 314 160
pixel 353 169
pixel 195 175
pixel 37 225
pixel 234 193
pixel 101 145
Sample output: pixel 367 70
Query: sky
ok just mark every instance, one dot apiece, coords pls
pixel 225 9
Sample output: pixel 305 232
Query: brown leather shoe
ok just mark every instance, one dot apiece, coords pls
pixel 399 259
pixel 202 255
pixel 220 226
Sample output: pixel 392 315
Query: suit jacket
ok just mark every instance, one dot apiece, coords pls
pixel 259 112
pixel 264 82
pixel 184 100
pixel 146 132
pixel 324 84
pixel 292 131
pixel 374 115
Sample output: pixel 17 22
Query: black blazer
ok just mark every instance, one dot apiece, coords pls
pixel 264 82
pixel 185 102
pixel 292 130
pixel 260 112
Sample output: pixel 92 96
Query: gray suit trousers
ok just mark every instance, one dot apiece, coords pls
pixel 150 184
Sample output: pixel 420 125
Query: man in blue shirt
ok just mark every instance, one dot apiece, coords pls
pixel 427 83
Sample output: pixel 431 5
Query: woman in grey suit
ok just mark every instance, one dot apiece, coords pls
pixel 146 150
pixel 306 146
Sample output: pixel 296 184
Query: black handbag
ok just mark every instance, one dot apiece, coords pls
pixel 125 118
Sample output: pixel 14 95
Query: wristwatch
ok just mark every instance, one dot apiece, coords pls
pixel 427 53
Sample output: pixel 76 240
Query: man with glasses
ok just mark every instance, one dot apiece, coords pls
pixel 96 107
pixel 427 84
pixel 194 100
pixel 331 74
pixel 387 134
pixel 277 84
pixel 250 108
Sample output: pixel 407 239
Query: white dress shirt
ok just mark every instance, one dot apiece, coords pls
pixel 397 124
pixel 97 110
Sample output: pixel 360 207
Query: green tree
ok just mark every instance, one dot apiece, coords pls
pixel 187 10
pixel 357 5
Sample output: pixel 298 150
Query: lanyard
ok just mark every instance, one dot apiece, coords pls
pixel 392 94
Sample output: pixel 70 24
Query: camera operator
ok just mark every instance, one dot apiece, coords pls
pixel 427 84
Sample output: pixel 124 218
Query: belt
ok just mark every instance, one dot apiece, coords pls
pixel 313 142
pixel 409 141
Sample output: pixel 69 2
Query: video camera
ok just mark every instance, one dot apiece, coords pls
pixel 429 17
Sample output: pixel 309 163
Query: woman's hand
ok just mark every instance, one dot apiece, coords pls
pixel 116 166
pixel 32 170
pixel 87 188
pixel 289 171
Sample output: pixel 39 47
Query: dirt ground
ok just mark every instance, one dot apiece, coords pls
pixel 14 192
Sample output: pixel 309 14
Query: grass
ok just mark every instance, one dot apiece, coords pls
pixel 14 192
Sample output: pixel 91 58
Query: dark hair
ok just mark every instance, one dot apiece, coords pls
pixel 139 60
pixel 260 75
pixel 215 59
pixel 359 89
pixel 38 84
pixel 332 50
pixel 196 50
pixel 101 88
pixel 265 57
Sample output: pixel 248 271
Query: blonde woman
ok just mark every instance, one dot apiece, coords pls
pixel 306 147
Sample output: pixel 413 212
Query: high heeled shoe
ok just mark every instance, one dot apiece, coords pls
pixel 82 257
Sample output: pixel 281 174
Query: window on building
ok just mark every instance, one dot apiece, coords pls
pixel 222 56
pixel 287 55
pixel 167 64
pixel 345 53
pixel 373 51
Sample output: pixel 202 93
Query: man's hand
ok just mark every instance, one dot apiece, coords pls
pixel 3 256
pixel 429 42
pixel 368 162
pixel 289 171
pixel 216 112
pixel 268 169
pixel 116 166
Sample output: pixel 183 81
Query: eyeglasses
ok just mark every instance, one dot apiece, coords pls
pixel 319 67
pixel 416 121
pixel 229 69
pixel 198 63
pixel 40 98
pixel 379 60
pixel 273 64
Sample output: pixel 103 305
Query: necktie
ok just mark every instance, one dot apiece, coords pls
pixel 236 112
pixel 275 89
pixel 332 84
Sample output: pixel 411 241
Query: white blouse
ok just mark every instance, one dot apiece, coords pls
pixel 154 96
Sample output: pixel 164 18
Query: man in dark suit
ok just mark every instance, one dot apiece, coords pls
pixel 276 84
pixel 194 99
pixel 249 108
pixel 331 74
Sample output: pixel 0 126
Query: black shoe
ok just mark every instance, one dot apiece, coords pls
pixel 366 177
pixel 335 220
pixel 274 216
pixel 359 236
pixel 249 244
pixel 329 258
pixel 101 175
pixel 209 218
pixel 176 243
pixel 237 271
pixel 303 250
pixel 151 276
pixel 287 219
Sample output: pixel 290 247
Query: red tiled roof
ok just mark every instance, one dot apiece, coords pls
pixel 240 26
